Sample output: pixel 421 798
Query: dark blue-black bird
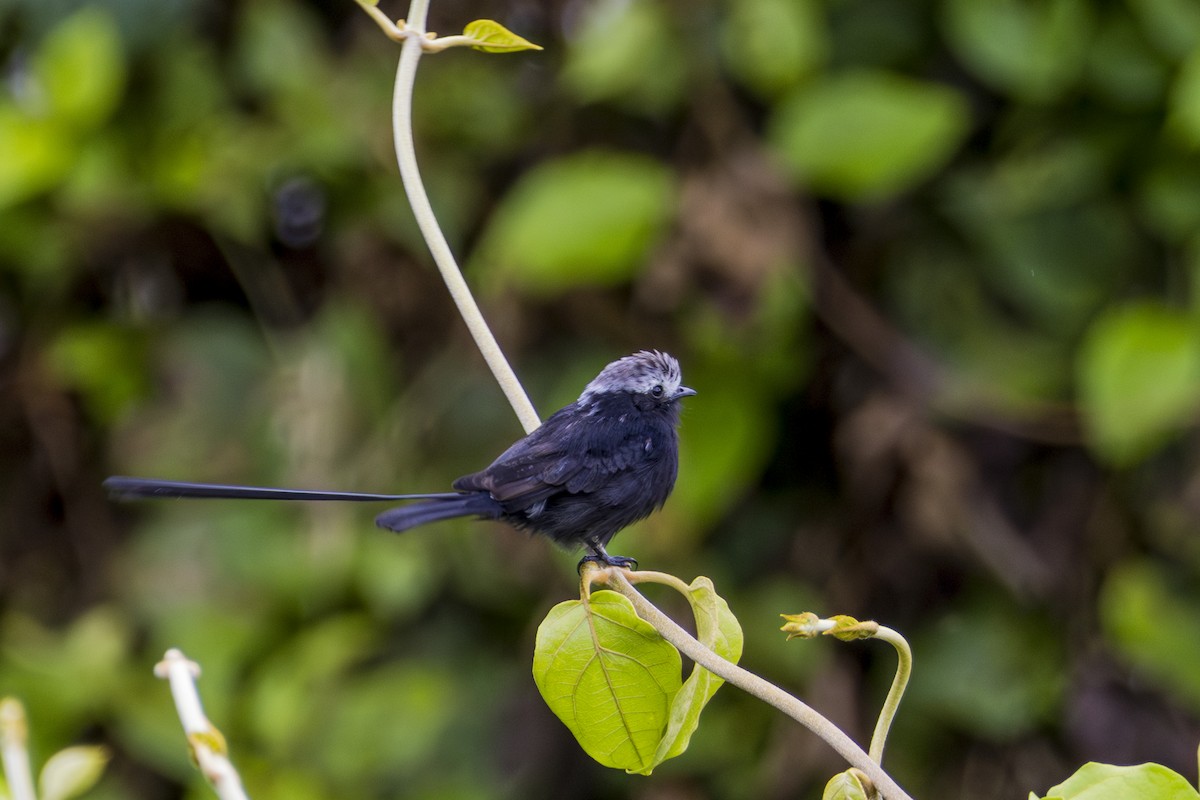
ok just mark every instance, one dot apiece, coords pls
pixel 593 468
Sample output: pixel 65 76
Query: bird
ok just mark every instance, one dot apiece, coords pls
pixel 593 468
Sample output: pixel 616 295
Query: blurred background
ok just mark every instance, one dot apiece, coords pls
pixel 934 268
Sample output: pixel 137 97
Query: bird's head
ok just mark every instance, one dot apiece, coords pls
pixel 648 374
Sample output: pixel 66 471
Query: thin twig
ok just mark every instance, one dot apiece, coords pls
pixel 14 748
pixel 756 686
pixel 895 693
pixel 406 157
pixel 207 743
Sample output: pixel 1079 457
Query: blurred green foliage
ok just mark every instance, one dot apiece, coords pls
pixel 582 220
pixel 862 135
pixel 1143 608
pixel 1138 376
pixel 934 269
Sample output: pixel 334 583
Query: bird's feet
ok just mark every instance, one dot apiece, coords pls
pixel 605 560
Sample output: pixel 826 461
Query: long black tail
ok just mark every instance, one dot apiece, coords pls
pixel 469 504
pixel 123 488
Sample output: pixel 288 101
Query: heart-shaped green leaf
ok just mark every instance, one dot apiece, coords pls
pixel 1107 782
pixel 610 678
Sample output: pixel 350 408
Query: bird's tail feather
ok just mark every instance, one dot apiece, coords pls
pixel 475 504
pixel 125 488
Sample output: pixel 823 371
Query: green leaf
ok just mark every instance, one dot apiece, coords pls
pixel 1184 118
pixel 629 54
pixel 844 786
pixel 310 664
pixel 1106 782
pixel 38 155
pixel 1124 68
pixel 718 629
pixel 866 135
pixel 79 74
pixel 1173 25
pixel 1149 618
pixel 71 772
pixel 1139 380
pixel 1033 50
pixel 609 676
pixel 583 220
pixel 407 707
pixel 104 363
pixel 771 45
pixel 282 52
pixel 495 38
pixel 81 67
pixel 1021 693
pixel 1169 199
pixel 729 438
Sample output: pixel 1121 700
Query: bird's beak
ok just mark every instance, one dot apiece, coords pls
pixel 684 391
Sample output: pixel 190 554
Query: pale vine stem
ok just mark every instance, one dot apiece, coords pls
pixel 439 248
pixel 758 687
pixel 14 749
pixel 895 693
pixel 206 742
pixel 412 32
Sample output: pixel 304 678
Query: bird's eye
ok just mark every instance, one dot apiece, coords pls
pixel 658 390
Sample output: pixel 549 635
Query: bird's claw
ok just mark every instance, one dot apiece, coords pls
pixel 605 560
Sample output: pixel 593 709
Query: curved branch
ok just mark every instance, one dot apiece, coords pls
pixel 762 689
pixel 206 742
pixel 406 157
pixel 895 693
pixel 14 749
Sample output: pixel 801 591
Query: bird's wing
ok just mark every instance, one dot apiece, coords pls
pixel 566 453
pixel 607 454
pixel 533 468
